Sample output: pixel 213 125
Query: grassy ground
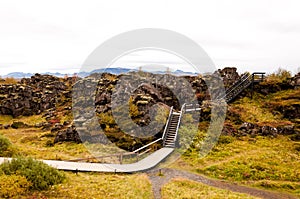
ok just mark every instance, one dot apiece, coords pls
pixel 264 162
pixel 182 188
pixel 270 163
pixel 30 120
pixel 97 185
pixel 262 108
pixel 34 142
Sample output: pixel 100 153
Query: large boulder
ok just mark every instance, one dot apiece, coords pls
pixel 69 134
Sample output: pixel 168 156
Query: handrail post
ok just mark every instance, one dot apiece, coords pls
pixel 121 158
pixel 178 125
pixel 252 85
pixel 167 124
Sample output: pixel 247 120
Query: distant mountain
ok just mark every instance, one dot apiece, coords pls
pixel 18 75
pixel 182 73
pixel 116 71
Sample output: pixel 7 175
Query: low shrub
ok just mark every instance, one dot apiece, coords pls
pixel 49 143
pixel 6 149
pixel 225 139
pixel 38 173
pixel 13 185
pixel 4 144
pixel 281 75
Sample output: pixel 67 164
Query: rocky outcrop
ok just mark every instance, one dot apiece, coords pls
pixel 66 133
pixel 296 81
pixel 31 96
pixel 52 96
pixel 229 75
pixel 253 129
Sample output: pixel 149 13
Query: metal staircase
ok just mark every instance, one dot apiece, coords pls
pixel 170 138
pixel 244 82
pixel 171 129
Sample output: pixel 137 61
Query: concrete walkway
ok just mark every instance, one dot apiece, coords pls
pixel 143 165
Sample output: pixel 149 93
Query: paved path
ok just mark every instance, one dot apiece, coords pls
pixel 145 164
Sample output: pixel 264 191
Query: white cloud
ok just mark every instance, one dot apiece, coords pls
pixel 39 36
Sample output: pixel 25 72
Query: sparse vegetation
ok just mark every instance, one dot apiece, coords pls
pixel 280 76
pixel 251 161
pixel 183 188
pixel 9 80
pixel 100 185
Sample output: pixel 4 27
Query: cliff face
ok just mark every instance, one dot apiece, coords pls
pixel 39 93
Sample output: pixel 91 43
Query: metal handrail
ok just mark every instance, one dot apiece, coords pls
pixel 135 151
pixel 167 124
pixel 242 80
pixel 234 87
pixel 104 156
pixel 120 154
pixel 192 106
pixel 238 83
pixel 143 147
pixel 179 121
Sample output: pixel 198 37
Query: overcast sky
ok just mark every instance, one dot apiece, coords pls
pixel 57 36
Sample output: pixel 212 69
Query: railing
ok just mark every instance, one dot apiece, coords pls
pixel 179 121
pixel 238 84
pixel 136 152
pixel 191 107
pixel 258 76
pixel 120 156
pixel 245 81
pixel 167 124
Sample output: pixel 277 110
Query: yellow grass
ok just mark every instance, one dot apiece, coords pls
pixel 183 188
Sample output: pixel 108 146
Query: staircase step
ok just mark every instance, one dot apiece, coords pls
pixel 171 137
pixel 169 140
pixel 169 143
pixel 170 146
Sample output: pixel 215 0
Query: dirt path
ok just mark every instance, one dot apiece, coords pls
pixel 158 181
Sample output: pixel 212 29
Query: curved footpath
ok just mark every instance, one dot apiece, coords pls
pixel 158 181
pixel 143 165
